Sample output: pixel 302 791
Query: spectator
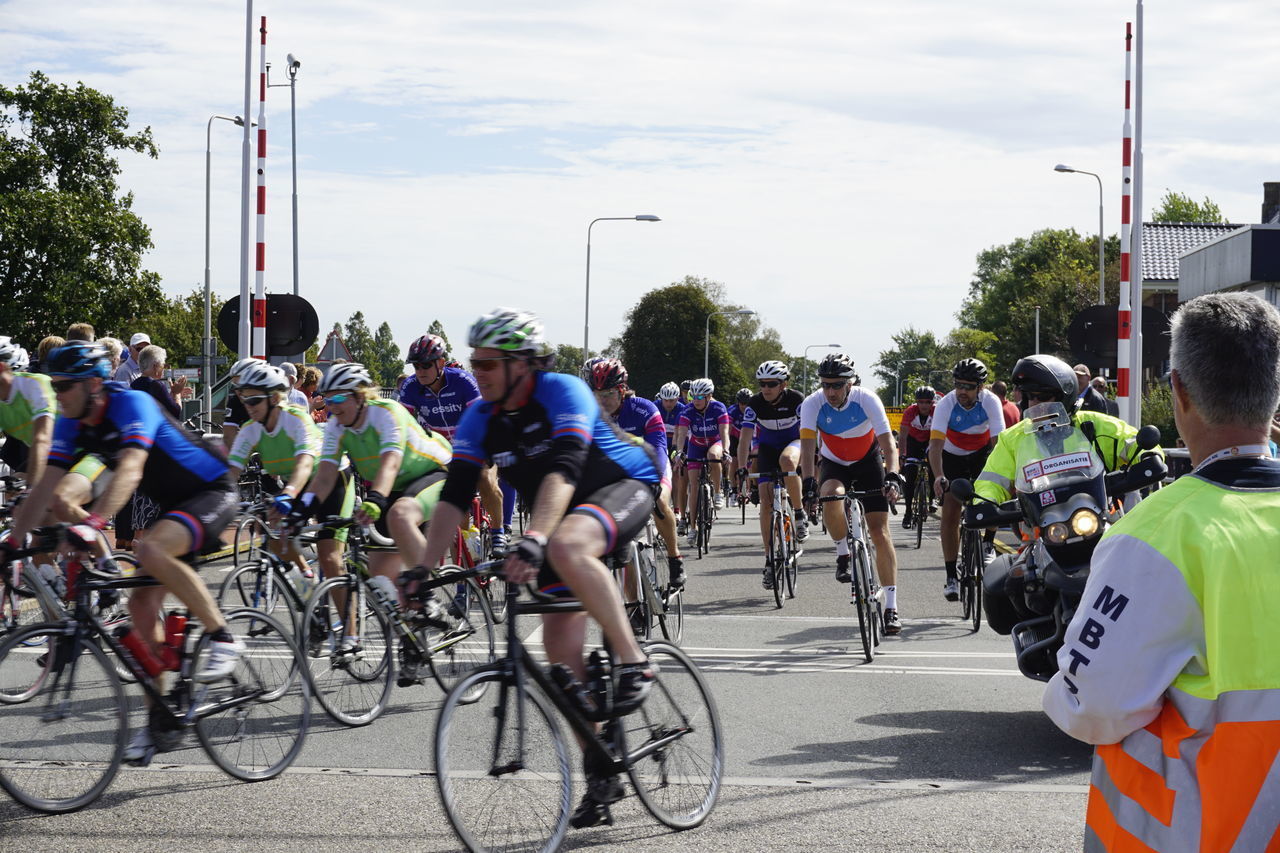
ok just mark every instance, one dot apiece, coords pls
pixel 80 332
pixel 43 349
pixel 1089 398
pixel 1011 413
pixel 295 396
pixel 1169 663
pixel 151 362
pixel 130 369
pixel 1100 385
pixel 115 347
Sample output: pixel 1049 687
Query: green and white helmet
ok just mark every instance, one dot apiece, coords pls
pixel 509 330
pixel 347 376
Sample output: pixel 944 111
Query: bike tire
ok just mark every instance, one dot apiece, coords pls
pixel 778 552
pixel 469 644
pixel 679 782
pixel 353 688
pixel 57 762
pixel 922 498
pixel 707 517
pixel 254 723
pixel 264 585
pixel 250 540
pixel 965 573
pixel 859 562
pixel 523 809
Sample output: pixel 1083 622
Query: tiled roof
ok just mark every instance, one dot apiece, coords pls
pixel 1163 242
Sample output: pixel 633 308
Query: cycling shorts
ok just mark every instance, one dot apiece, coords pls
pixel 968 467
pixel 865 475
pixel 768 459
pixel 206 514
pixel 341 501
pixel 697 453
pixel 622 509
pixel 915 448
pixel 425 491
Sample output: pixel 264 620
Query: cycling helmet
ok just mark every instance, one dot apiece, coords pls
pixel 837 366
pixel 970 370
pixel 584 372
pixel 240 367
pixel 669 391
pixel 773 370
pixel 926 392
pixel 13 355
pixel 607 373
pixel 426 348
pixel 743 396
pixel 345 377
pixel 509 330
pixel 79 360
pixel 702 388
pixel 1045 376
pixel 265 376
pixel 686 385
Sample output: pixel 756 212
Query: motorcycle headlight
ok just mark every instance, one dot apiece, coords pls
pixel 1057 533
pixel 1085 522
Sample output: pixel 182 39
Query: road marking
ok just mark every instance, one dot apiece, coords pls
pixel 801 650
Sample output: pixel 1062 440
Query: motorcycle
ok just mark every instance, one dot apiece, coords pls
pixel 1065 500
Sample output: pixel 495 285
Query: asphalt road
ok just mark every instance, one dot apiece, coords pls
pixel 937 745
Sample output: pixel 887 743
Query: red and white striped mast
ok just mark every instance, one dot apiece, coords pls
pixel 1124 388
pixel 259 284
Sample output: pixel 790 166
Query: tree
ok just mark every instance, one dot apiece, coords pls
pixel 752 342
pixel 359 341
pixel 568 359
pixel 437 328
pixel 177 324
pixel 70 244
pixel 908 344
pixel 387 365
pixel 1176 207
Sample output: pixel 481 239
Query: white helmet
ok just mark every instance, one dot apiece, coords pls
pixel 702 388
pixel 263 375
pixel 240 367
pixel 345 377
pixel 12 354
pixel 669 391
pixel 773 370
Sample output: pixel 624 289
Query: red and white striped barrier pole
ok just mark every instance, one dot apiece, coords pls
pixel 259 285
pixel 1123 322
pixel 1135 239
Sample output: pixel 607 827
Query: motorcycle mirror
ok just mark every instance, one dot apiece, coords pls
pixel 962 489
pixel 1148 436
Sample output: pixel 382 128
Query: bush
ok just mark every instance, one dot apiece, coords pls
pixel 1157 408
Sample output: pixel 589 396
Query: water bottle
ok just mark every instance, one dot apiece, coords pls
pixel 140 649
pixel 471 536
pixel 572 689
pixel 385 592
pixel 599 669
pixel 175 636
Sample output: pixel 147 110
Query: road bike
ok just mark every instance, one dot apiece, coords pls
pixel 921 500
pixel 652 604
pixel 969 573
pixel 704 511
pixel 783 556
pixel 864 586
pixel 502 760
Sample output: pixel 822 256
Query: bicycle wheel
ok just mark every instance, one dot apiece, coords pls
pixel 860 563
pixel 253 723
pixel 778 555
pixel 964 571
pixel 264 585
pixel 504 786
pixel 250 540
pixel 63 720
pixel 706 516
pixel 352 685
pixel 922 498
pixel 675 742
pixel 793 553
pixel 469 642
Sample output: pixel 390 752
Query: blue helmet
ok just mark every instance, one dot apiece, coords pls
pixel 79 360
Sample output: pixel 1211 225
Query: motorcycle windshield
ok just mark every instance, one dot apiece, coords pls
pixel 1059 456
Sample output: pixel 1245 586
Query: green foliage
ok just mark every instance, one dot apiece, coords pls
pixel 1177 207
pixel 568 359
pixel 177 324
pixel 359 341
pixel 1157 409
pixel 437 328
pixel 909 344
pixel 70 243
pixel 388 365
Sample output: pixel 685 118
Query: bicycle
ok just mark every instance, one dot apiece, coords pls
pixel 660 605
pixel 64 717
pixel 270 584
pixel 922 499
pixel 479 519
pixel 784 550
pixel 969 572
pixel 865 592
pixel 350 620
pixel 502 763
pixel 704 510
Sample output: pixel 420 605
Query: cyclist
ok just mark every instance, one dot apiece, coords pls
pixel 234 416
pixel 27 412
pixel 402 465
pixel 965 425
pixel 771 428
pixel 288 442
pixel 857 453
pixel 737 412
pixel 639 417
pixel 437 395
pixel 590 491
pixel 670 407
pixel 913 447
pixel 705 423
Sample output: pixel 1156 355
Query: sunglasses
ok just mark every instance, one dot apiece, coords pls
pixel 770 384
pixel 334 399
pixel 835 386
pixel 422 365
pixel 967 386
pixel 1038 397
pixel 487 364
pixel 64 385
pixel 608 392
pixel 254 400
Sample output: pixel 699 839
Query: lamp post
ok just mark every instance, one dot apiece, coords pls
pixel 292 66
pixel 586 305
pixel 897 387
pixel 706 349
pixel 207 347
pixel 806 361
pixel 1102 254
pixel 1037 328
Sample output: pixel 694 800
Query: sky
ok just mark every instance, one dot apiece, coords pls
pixel 836 165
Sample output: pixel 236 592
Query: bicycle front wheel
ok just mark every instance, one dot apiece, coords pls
pixel 253 722
pixel 468 644
pixel 263 585
pixel 778 556
pixel 674 743
pixel 63 721
pixel 348 651
pixel 504 786
pixel 250 540
pixel 861 563
pixel 922 500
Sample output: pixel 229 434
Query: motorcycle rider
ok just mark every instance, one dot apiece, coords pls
pixel 1041 379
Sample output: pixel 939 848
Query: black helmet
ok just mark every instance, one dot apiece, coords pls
pixel 838 366
pixel 743 395
pixel 1045 376
pixel 685 385
pixel 970 370
pixel 926 392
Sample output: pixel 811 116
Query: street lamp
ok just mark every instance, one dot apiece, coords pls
pixel 897 388
pixel 586 306
pixel 806 361
pixel 1102 255
pixel 706 350
pixel 207 347
pixel 292 66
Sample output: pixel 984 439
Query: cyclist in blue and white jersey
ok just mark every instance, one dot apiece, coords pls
pixel 772 422
pixel 737 412
pixel 705 422
pixel 670 408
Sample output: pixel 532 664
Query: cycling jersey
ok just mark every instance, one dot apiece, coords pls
pixel 440 412
pixel 775 424
pixel 965 431
pixel 179 464
pixel 671 420
pixel 236 414
pixel 918 424
pixel 849 431
pixel 704 426
pixel 388 428
pixel 295 435
pixel 30 398
pixel 560 430
pixel 736 415
pixel 639 417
